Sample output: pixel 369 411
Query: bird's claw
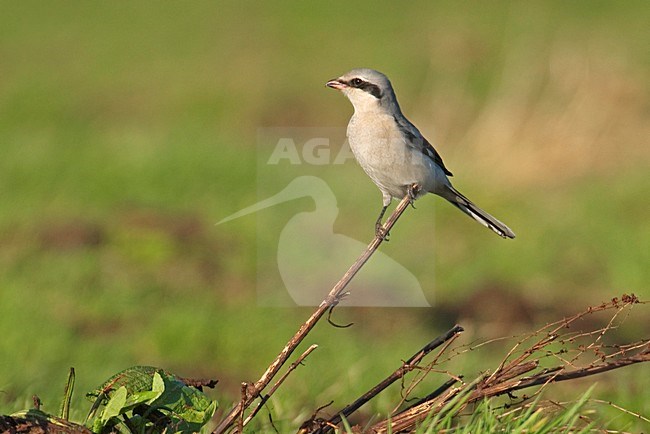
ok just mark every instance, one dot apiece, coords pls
pixel 412 192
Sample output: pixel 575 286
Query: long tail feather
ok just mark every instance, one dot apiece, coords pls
pixel 487 220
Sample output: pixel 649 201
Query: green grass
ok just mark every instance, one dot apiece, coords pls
pixel 536 416
pixel 127 131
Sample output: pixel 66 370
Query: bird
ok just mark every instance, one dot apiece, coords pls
pixel 393 152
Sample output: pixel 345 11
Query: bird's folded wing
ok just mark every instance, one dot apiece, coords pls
pixel 415 140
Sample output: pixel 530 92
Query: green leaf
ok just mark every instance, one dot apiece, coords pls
pixel 186 408
pixel 158 384
pixel 190 409
pixel 135 379
pixel 137 398
pixel 115 405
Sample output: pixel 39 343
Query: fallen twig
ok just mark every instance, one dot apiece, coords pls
pixel 510 376
pixel 414 415
pixel 559 375
pixel 406 367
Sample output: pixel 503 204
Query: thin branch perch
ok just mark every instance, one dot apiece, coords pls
pixel 278 383
pixel 254 390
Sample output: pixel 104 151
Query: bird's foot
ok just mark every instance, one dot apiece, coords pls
pixel 380 232
pixel 412 192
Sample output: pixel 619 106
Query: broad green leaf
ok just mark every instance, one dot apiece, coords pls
pixel 134 379
pixel 187 408
pixel 158 384
pixel 146 397
pixel 190 408
pixel 115 406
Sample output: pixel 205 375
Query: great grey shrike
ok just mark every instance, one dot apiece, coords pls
pixel 393 153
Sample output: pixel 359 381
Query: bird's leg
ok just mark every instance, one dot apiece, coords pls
pixel 379 230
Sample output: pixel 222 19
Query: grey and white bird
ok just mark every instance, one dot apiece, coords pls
pixel 393 152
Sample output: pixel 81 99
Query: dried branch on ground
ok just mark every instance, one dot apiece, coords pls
pixel 575 354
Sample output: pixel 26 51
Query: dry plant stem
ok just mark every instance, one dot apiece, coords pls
pixel 332 299
pixel 552 333
pixel 410 417
pixel 278 383
pixel 514 375
pixel 406 367
pixel 240 419
pixel 439 391
pixel 619 408
pixel 544 378
pixel 424 373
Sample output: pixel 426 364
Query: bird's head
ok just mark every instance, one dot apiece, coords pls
pixel 366 89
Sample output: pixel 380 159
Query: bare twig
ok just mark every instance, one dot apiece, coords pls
pixel 332 299
pixel 411 416
pixel 439 391
pixel 278 383
pixel 624 410
pixel 555 377
pixel 552 332
pixel 512 375
pixel 406 367
pixel 240 419
pixel 425 372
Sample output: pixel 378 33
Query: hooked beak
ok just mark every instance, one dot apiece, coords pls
pixel 336 84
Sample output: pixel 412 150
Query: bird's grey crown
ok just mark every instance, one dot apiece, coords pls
pixel 370 76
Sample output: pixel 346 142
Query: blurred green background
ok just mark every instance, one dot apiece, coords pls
pixel 128 129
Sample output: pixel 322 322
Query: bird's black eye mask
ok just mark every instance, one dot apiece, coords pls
pixel 372 89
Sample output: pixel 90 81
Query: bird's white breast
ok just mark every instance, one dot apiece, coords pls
pixel 383 153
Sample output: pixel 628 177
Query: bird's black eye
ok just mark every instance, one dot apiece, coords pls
pixel 356 82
